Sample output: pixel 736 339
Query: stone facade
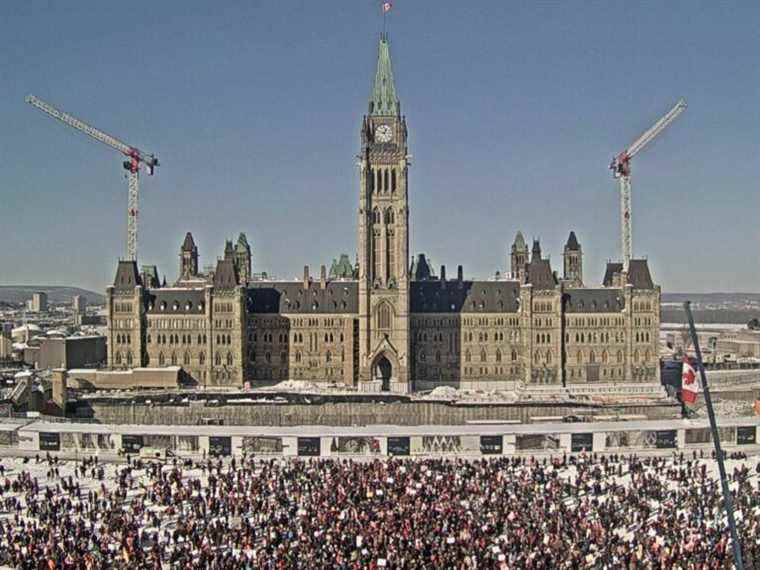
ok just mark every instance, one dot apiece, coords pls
pixel 385 325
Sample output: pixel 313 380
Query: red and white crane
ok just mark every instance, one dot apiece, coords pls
pixel 135 158
pixel 621 169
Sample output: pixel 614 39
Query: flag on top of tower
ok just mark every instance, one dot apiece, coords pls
pixel 387 7
pixel 689 383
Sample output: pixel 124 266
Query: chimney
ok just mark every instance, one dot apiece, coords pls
pixel 460 273
pixel 443 276
pixel 322 277
pixel 305 276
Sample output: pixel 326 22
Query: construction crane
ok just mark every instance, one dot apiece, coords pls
pixel 621 169
pixel 135 157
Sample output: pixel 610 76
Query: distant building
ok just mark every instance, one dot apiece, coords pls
pixel 72 352
pixel 38 303
pixel 79 304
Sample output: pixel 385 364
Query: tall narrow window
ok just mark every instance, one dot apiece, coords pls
pixel 384 317
pixel 393 180
pixel 386 185
pixel 371 179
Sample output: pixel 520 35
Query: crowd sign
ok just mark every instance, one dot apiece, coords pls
pixel 746 435
pixel 398 446
pixel 220 445
pixel 581 442
pixel 491 444
pixel 50 441
pixel 132 443
pixel 666 439
pixel 309 446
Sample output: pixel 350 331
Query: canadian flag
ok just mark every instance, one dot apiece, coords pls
pixel 689 383
pixel 387 7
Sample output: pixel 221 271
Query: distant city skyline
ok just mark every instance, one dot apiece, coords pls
pixel 514 113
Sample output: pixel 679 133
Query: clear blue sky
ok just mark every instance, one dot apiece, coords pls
pixel 254 108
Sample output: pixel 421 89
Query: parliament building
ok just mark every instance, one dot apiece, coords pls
pixel 385 324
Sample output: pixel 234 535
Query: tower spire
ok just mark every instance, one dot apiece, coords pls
pixel 383 101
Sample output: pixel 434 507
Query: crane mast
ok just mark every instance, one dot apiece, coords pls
pixel 621 169
pixel 135 157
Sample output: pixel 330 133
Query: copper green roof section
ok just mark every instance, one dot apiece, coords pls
pixel 383 101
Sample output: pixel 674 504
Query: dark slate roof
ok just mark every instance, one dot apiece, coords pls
pixel 270 297
pixel 638 274
pixel 189 243
pixel 464 296
pixel 127 276
pixel 539 274
pixel 421 269
pixel 594 301
pixel 225 276
pixel 612 268
pixel 175 301
pixel 572 243
pixel 536 252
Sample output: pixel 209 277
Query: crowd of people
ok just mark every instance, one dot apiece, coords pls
pixel 583 511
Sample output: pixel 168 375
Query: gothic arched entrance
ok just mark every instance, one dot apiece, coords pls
pixel 383 372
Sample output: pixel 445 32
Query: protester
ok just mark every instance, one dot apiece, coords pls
pixel 569 512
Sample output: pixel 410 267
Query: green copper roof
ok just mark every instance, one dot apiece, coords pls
pixel 242 243
pixel 383 100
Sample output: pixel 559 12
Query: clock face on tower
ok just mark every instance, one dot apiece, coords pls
pixel 383 134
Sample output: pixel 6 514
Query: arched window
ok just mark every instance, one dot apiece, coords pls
pixel 328 356
pixel 202 358
pixel 514 355
pixel 483 355
pixel 229 359
pixel 390 217
pixel 579 357
pixel 386 184
pixel 186 359
pixel 498 355
pixel 605 357
pixel 118 358
pixel 393 180
pixel 298 356
pixel 218 359
pixel 537 357
pixel 384 317
pixel 620 356
pixel 161 359
pixel 376 216
pixel 549 356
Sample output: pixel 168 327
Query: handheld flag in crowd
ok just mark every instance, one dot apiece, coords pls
pixel 689 383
